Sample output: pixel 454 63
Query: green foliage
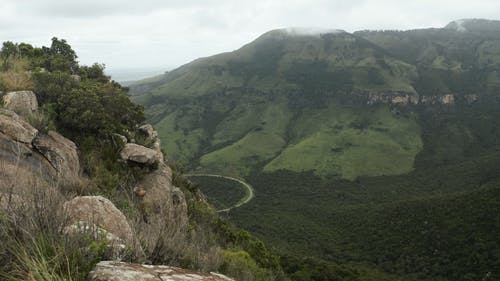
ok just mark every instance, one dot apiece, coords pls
pixel 403 189
pixel 60 57
pixel 221 193
pixel 241 265
pixel 42 119
pixel 43 257
pixel 245 257
pixel 312 269
pixel 424 225
pixel 94 72
pixel 87 108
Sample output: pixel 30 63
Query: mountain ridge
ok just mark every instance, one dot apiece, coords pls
pixel 311 70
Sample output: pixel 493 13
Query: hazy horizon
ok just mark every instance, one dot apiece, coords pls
pixel 157 36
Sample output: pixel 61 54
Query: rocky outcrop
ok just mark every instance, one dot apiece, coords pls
pixel 139 154
pixel 120 271
pixel 22 101
pixel 152 139
pixel 61 153
pixel 149 131
pixel 471 98
pixel 50 156
pixel 406 99
pixel 16 128
pixel 98 213
pixel 22 167
pixel 447 99
pixel 159 196
pixel 20 164
pixel 392 98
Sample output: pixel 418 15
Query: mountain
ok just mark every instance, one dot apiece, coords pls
pixel 376 148
pixel 207 109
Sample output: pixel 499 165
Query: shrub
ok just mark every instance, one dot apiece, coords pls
pixel 43 119
pixel 240 265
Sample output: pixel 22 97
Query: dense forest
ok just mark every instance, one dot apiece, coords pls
pixel 375 151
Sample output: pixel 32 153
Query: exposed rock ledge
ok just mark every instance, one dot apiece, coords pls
pixel 22 101
pixel 140 154
pixel 413 99
pixel 120 271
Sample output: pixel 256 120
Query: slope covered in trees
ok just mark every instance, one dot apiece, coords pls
pixel 376 148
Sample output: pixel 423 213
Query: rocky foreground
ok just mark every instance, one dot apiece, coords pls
pixel 31 159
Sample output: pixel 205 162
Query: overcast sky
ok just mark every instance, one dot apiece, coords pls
pixel 162 34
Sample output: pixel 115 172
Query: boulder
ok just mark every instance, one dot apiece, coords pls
pixel 16 128
pixel 149 131
pixel 152 138
pixel 120 271
pixel 22 101
pixel 61 153
pixel 99 211
pixel 117 246
pixel 140 154
pixel 21 167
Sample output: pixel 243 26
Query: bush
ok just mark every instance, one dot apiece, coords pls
pixel 241 266
pixel 43 119
pixel 88 107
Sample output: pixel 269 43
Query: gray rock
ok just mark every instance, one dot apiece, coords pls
pixel 22 101
pixel 61 153
pixel 122 138
pixel 21 166
pixel 99 211
pixel 140 154
pixel 116 245
pixel 161 197
pixel 149 131
pixel 164 208
pixel 77 78
pixel 15 127
pixel 152 138
pixel 120 271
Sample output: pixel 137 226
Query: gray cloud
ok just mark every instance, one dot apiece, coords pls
pixel 167 33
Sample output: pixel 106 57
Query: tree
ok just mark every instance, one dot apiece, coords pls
pixel 60 57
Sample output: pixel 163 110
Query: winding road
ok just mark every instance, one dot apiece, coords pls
pixel 249 193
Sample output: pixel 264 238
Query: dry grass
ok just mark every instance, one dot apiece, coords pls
pixel 168 239
pixel 15 76
pixel 32 219
pixel 15 81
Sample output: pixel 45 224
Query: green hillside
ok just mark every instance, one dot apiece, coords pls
pixel 206 110
pixel 377 149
